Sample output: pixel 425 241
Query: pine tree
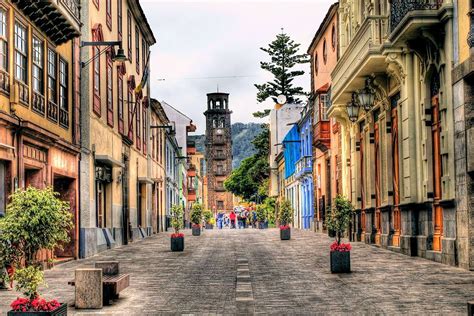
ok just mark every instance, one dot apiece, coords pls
pixel 283 52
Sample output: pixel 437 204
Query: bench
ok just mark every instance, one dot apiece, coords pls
pixel 112 281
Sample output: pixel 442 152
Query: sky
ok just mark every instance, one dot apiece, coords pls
pixel 198 41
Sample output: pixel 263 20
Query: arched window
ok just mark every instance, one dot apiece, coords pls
pixel 325 52
pixel 221 123
pixel 214 123
pixel 316 65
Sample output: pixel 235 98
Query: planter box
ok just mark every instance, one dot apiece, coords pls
pixel 209 226
pixel 196 230
pixel 177 244
pixel 340 261
pixel 60 311
pixel 285 234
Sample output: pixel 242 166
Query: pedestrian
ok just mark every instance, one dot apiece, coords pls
pixel 220 220
pixel 254 219
pixel 232 219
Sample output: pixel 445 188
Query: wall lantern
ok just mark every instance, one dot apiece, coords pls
pixel 353 108
pixel 366 96
pixel 118 56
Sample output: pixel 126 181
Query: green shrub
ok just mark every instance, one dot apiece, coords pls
pixel 339 219
pixel 261 213
pixel 285 214
pixel 208 216
pixel 177 217
pixel 28 280
pixel 36 219
pixel 270 208
pixel 196 214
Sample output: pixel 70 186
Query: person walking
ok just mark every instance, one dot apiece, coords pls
pixel 220 219
pixel 232 219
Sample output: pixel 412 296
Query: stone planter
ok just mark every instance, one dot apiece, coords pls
pixel 177 244
pixel 60 311
pixel 209 226
pixel 196 230
pixel 340 261
pixel 285 234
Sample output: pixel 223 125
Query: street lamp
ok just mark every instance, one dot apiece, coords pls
pixel 119 56
pixel 366 96
pixel 353 108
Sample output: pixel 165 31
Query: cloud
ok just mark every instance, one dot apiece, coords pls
pixel 198 40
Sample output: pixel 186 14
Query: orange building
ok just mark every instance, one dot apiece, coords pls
pixel 39 103
pixel 326 158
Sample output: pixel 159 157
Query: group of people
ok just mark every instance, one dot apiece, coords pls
pixel 238 218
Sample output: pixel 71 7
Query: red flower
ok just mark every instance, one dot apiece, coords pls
pixel 21 304
pixel 177 235
pixel 340 247
pixel 284 227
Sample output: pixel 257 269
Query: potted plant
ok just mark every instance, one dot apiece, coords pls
pixel 196 219
pixel 209 219
pixel 338 220
pixel 285 217
pixel 36 219
pixel 261 216
pixel 177 238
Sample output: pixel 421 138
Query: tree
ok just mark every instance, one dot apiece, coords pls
pixel 339 218
pixel 196 214
pixel 283 52
pixel 36 219
pixel 285 214
pixel 177 215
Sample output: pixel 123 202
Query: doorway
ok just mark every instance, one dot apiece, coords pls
pixel 66 187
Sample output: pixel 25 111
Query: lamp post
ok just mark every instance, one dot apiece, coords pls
pixel 353 109
pixel 119 56
pixel 366 96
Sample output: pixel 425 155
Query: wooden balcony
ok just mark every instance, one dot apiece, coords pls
pixel 64 118
pixel 191 195
pixel 4 82
pixel 59 19
pixel 52 111
pixel 38 103
pixel 322 135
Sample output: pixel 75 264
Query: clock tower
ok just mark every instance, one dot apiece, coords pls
pixel 218 151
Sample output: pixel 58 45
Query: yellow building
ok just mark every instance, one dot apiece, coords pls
pixel 195 176
pixel 116 183
pixel 392 95
pixel 463 94
pixel 39 104
pixel 158 128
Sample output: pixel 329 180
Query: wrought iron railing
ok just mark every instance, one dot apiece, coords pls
pixel 52 111
pixel 400 8
pixel 64 118
pixel 304 166
pixel 4 82
pixel 38 103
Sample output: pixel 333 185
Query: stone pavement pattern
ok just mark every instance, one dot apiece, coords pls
pixel 252 271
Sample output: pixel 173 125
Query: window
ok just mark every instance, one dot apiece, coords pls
pixel 119 19
pixel 144 129
pixel 333 37
pixel 144 54
pixel 129 35
pixel 316 65
pixel 137 47
pixel 220 205
pixel 325 52
pixel 324 104
pixel 218 104
pixel 63 85
pixel 3 40
pixel 108 10
pixel 21 53
pixel 52 90
pixel 120 101
pixel 37 66
pixel 130 113
pixel 110 105
pixel 138 114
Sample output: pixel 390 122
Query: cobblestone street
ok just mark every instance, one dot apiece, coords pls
pixel 252 271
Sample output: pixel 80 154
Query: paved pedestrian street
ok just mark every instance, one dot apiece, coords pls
pixel 252 271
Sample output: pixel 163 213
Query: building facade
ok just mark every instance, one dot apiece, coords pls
pixel 39 103
pixel 218 151
pixel 116 185
pixel 291 154
pixel 395 66
pixel 174 176
pixel 463 104
pixel 323 52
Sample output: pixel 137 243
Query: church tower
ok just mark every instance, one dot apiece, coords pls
pixel 218 151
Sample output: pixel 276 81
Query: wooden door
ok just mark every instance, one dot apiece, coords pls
pixel 437 169
pixel 378 215
pixel 396 174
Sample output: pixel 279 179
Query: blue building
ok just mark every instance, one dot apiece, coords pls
pixel 304 169
pixel 292 152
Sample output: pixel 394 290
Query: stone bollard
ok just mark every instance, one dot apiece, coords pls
pixel 108 267
pixel 89 292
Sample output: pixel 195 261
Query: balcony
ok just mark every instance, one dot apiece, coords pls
pixel 191 151
pixel 220 189
pixel 220 173
pixel 59 19
pixel 191 170
pixel 362 57
pixel 304 167
pixel 220 157
pixel 322 135
pixel 191 195
pixel 406 16
pixel 63 118
pixel 52 111
pixel 4 82
pixel 37 103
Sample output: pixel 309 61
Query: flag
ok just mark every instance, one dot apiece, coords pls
pixel 146 73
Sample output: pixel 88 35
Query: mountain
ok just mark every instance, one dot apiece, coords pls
pixel 242 136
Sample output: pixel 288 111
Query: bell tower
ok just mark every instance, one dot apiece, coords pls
pixel 218 151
